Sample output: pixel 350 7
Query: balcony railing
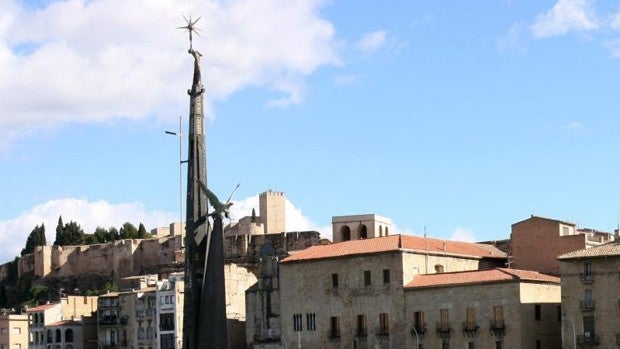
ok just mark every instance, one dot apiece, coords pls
pixel 498 328
pixel 334 335
pixel 587 305
pixel 588 338
pixel 418 330
pixel 470 329
pixel 586 278
pixel 443 330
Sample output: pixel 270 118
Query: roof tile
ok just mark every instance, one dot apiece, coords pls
pixel 605 250
pixel 395 243
pixel 478 277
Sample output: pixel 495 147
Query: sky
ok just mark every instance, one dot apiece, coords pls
pixel 452 118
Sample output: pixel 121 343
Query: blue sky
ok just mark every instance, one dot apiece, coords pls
pixel 462 118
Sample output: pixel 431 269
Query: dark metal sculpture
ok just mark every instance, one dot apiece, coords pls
pixel 204 317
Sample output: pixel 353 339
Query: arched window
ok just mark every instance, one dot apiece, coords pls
pixel 49 336
pixel 149 332
pixel 386 231
pixel 345 232
pixel 69 336
pixel 380 230
pixel 362 231
pixel 58 336
pixel 141 333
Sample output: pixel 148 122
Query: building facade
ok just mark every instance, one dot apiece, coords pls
pixel 537 241
pixel 496 308
pixel 13 330
pixel 590 300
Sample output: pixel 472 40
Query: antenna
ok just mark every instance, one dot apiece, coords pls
pixel 424 231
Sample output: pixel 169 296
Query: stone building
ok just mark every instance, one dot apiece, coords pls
pixel 13 330
pixel 537 241
pixel 323 288
pixel 496 308
pixel 356 227
pixel 590 299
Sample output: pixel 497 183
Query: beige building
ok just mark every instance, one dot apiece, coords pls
pixel 537 241
pixel 13 330
pixel 326 293
pixel 38 318
pixel 590 299
pixel 496 308
pixel 356 227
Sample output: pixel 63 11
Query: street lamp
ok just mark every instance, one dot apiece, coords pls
pixel 180 135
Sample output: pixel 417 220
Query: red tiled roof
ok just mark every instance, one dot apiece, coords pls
pixel 395 243
pixel 41 307
pixel 607 250
pixel 479 277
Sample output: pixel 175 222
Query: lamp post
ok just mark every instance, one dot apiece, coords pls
pixel 180 135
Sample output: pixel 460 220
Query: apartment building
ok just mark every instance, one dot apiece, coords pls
pixel 497 308
pixel 590 299
pixel 537 241
pixel 13 330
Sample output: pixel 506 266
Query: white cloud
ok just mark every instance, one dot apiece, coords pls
pixel 371 42
pixel 573 126
pixel 513 40
pixel 613 46
pixel 462 234
pixel 89 214
pixel 93 61
pixel 295 219
pixel 565 16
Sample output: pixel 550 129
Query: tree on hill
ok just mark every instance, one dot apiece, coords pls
pixel 128 231
pixel 114 235
pixel 36 238
pixel 70 234
pixel 141 231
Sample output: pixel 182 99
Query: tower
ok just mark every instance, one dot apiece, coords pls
pixel 272 214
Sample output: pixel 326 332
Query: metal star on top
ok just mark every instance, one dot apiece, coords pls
pixel 190 27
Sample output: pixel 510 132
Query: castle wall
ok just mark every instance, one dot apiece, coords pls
pixel 272 214
pixel 249 246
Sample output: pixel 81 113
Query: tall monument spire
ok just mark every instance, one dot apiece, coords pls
pixel 204 318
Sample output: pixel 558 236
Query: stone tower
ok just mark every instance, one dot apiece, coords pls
pixel 272 214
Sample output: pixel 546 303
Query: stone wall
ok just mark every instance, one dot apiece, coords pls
pixel 246 248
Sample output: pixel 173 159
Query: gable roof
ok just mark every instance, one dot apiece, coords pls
pixel 479 277
pixel 395 243
pixel 606 250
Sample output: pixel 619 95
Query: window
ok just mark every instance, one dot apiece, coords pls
pixel 297 322
pixel 4 330
pixel 17 330
pixel 498 315
pixel 363 231
pixel 418 322
pixel 310 322
pixel 334 327
pixel 362 329
pixel 588 328
pixel 58 336
pixel 445 345
pixel 367 280
pixel 499 345
pixel 537 312
pixel 141 333
pixel 69 335
pixel 471 345
pixel 559 313
pixel 471 318
pixel 444 318
pixel 166 322
pixel 334 280
pixel 587 268
pixel 386 276
pixel 167 341
pixel 384 323
pixel 346 233
pixel 161 300
pixel 17 346
pixel 538 344
pixel 149 332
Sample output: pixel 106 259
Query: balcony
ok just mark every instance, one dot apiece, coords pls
pixel 108 320
pixel 418 330
pixel 587 305
pixel 498 328
pixel 588 338
pixel 334 335
pixel 443 330
pixel 587 278
pixel 470 329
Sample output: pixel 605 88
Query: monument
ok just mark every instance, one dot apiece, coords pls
pixel 204 317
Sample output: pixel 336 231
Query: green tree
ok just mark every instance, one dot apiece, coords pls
pixel 36 238
pixel 128 231
pixel 90 239
pixel 141 231
pixel 59 232
pixel 73 234
pixel 114 235
pixel 102 235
